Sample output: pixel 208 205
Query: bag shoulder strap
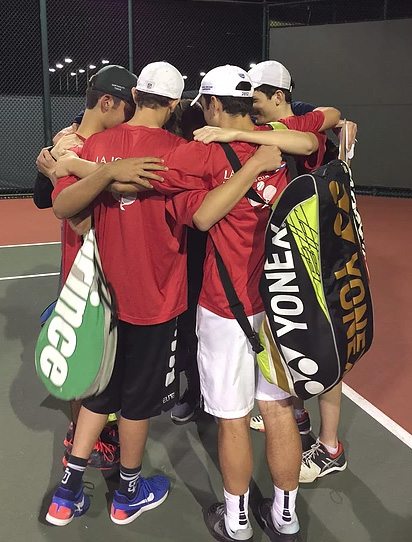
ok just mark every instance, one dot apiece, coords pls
pixel 236 306
pixel 234 161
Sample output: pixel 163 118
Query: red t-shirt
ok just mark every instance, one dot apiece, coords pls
pixel 310 122
pixel 143 251
pixel 194 170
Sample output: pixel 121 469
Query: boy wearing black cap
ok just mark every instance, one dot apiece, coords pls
pixel 109 102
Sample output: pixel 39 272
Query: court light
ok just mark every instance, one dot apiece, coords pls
pixel 59 65
pixel 92 66
pixel 202 74
pixel 252 64
pixel 185 77
pixel 52 70
pixel 72 74
pixel 105 61
pixel 68 60
pixel 81 70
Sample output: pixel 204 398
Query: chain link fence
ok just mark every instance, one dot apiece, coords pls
pixel 317 12
pixel 49 49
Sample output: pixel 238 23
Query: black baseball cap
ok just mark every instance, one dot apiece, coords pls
pixel 114 80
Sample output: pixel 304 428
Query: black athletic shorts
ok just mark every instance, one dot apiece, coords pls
pixel 144 380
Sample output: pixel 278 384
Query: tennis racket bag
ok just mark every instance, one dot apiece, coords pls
pixel 315 288
pixel 76 348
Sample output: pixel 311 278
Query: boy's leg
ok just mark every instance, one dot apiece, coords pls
pixel 327 454
pixel 149 387
pixel 329 408
pixel 69 500
pixel 284 454
pixel 227 379
pixel 133 437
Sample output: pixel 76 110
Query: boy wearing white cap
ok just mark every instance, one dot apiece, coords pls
pixel 196 175
pixel 144 259
pixel 272 102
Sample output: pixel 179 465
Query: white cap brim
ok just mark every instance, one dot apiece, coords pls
pixel 195 100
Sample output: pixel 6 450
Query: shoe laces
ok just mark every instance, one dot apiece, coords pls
pixel 106 449
pixel 314 451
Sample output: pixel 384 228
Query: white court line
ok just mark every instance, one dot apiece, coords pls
pixel 31 244
pixel 378 415
pixel 30 276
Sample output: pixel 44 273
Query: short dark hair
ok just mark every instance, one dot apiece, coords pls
pixel 185 119
pixel 269 91
pixel 234 105
pixel 93 96
pixel 152 101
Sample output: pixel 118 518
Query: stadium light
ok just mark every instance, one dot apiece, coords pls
pixel 52 70
pixel 68 60
pixel 105 61
pixel 81 70
pixel 92 66
pixel 59 65
pixel 72 74
pixel 185 77
pixel 252 64
pixel 202 74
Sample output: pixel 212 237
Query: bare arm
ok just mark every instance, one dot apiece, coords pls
pixel 221 200
pixel 289 141
pixel 332 117
pixel 71 164
pixel 76 197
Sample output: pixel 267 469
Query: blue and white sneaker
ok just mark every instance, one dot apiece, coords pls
pixel 66 505
pixel 150 494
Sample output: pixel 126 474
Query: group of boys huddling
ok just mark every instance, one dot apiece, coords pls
pixel 141 187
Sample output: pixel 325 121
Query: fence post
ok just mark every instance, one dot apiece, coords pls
pixel 130 28
pixel 47 120
pixel 265 31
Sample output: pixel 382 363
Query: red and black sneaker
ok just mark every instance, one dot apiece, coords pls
pixel 106 452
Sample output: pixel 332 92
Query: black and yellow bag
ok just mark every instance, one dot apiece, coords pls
pixel 315 288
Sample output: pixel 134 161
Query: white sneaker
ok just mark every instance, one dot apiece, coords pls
pixel 256 423
pixel 287 533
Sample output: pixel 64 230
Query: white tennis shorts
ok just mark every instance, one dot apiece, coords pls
pixel 230 379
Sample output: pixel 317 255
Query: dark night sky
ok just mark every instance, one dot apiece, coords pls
pixel 193 35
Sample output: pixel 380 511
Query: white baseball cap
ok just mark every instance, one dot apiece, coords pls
pixel 271 73
pixel 161 78
pixel 223 80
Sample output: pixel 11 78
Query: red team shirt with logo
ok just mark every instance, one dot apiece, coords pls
pixel 196 169
pixel 142 246
pixel 142 249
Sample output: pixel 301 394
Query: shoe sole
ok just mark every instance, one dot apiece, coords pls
pixel 181 421
pixel 325 473
pixel 139 512
pixel 58 522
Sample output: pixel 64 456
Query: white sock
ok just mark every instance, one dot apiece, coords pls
pixel 283 507
pixel 237 510
pixel 331 449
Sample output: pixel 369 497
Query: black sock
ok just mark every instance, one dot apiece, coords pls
pixel 129 479
pixel 73 473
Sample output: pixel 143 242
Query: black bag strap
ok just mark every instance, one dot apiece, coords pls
pixel 236 306
pixel 234 161
pixel 291 165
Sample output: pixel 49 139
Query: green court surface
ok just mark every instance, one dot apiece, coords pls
pixel 370 502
